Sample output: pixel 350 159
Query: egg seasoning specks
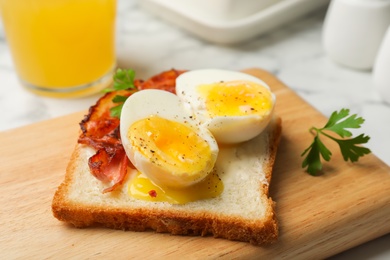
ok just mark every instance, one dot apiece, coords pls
pixel 236 98
pixel 178 149
pixel 234 106
pixel 169 144
pixel 164 142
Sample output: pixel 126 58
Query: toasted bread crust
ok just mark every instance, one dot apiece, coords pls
pixel 174 221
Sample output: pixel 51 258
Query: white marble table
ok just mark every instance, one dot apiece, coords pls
pixel 294 53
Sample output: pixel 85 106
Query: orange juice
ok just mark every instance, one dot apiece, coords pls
pixel 61 47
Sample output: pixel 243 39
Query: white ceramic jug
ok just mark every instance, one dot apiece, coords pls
pixel 353 31
pixel 381 70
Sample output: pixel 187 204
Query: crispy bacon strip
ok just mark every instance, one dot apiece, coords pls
pixel 101 131
pixel 164 81
pixel 109 165
pixel 98 127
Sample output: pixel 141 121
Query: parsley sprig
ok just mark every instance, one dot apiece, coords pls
pixel 123 80
pixel 338 123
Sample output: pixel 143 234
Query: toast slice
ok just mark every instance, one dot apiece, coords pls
pixel 244 211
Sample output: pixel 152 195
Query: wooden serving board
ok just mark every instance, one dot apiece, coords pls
pixel 319 216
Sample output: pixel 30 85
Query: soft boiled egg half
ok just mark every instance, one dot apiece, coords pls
pixel 164 142
pixel 234 106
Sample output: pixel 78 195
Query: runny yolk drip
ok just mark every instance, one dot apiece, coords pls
pixel 236 98
pixel 170 144
pixel 140 187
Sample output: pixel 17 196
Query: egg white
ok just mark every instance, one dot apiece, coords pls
pixel 146 103
pixel 226 129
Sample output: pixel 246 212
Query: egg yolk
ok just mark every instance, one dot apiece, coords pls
pixel 172 145
pixel 236 98
pixel 140 187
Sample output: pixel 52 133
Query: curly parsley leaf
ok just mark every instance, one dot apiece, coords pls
pixel 313 160
pixel 119 99
pixel 116 110
pixel 336 125
pixel 123 80
pixel 350 148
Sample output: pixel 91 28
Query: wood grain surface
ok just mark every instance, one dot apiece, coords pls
pixel 319 216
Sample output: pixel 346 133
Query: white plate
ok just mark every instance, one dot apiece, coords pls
pixel 230 21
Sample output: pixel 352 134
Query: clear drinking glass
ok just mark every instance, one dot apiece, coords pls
pixel 61 48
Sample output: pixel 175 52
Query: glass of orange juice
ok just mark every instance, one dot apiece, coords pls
pixel 61 48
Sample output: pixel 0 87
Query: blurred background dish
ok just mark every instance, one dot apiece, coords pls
pixel 230 21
